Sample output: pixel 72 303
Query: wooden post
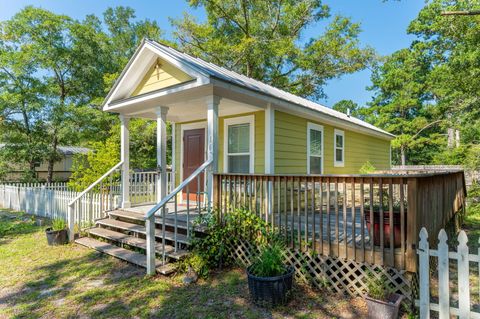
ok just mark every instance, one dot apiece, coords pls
pixel 412 233
pixel 150 234
pixel 463 276
pixel 71 222
pixel 443 278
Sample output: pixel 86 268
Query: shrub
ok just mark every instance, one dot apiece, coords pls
pixel 58 224
pixel 269 262
pixel 377 287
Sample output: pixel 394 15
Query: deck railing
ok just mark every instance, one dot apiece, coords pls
pixel 339 215
pixel 144 186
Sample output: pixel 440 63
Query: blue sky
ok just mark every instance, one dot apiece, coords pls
pixel 383 23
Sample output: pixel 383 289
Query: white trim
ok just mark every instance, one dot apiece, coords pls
pixel 316 127
pixel 269 140
pixel 186 127
pixel 336 133
pixel 249 119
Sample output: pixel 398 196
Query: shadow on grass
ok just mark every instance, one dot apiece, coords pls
pixel 15 224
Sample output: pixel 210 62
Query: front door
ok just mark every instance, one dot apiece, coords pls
pixel 193 158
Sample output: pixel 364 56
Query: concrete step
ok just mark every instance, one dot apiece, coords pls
pixel 117 224
pixel 124 254
pixel 137 242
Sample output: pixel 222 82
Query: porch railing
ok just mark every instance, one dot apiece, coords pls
pixel 108 188
pixel 144 186
pixel 195 177
pixel 340 215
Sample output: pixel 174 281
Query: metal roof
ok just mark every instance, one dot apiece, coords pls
pixel 221 73
pixel 67 150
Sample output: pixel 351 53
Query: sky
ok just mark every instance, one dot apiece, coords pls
pixel 383 25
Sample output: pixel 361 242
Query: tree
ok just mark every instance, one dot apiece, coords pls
pixel 262 39
pixel 346 106
pixel 401 105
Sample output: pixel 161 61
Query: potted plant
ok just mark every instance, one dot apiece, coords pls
pixel 57 234
pixel 381 302
pixel 269 279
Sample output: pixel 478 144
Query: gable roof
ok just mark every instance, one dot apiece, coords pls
pixel 209 70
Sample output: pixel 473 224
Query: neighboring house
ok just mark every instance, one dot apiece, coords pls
pixel 256 127
pixel 61 169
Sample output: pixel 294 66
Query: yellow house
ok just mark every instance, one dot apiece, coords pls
pixel 242 125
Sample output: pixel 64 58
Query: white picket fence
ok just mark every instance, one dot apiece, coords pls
pixel 454 293
pixel 41 200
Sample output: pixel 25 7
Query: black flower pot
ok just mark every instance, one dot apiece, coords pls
pixel 270 291
pixel 56 237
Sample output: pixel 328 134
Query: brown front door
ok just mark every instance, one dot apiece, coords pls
pixel 193 158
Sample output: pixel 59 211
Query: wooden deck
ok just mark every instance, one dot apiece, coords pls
pixel 327 213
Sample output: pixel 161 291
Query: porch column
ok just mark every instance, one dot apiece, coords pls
pixel 212 142
pixel 162 151
pixel 125 157
pixel 269 152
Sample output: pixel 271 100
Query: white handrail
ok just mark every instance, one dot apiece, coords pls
pixel 89 188
pixel 182 185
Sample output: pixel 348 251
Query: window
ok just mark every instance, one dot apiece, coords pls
pixel 239 145
pixel 339 148
pixel 314 149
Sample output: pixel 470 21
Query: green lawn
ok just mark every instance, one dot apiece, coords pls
pixel 74 282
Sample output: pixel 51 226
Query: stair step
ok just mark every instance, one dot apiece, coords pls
pixel 117 252
pixel 136 242
pixel 169 221
pixel 107 222
pixel 167 269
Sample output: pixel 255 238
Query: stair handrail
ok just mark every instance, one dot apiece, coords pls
pixel 71 219
pixel 150 219
pixel 177 189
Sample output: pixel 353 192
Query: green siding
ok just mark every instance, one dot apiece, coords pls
pixel 291 147
pixel 259 161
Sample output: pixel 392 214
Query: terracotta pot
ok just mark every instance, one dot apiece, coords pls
pixel 379 309
pixel 386 228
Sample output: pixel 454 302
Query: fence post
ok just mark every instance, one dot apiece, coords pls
pixel 443 276
pixel 71 222
pixel 424 252
pixel 463 276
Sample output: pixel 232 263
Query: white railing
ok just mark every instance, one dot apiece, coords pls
pixel 144 186
pixel 47 202
pixel 108 186
pixel 162 206
pixel 452 288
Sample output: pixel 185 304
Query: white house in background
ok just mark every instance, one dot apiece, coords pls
pixel 61 169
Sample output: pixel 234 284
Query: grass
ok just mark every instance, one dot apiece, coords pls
pixel 74 282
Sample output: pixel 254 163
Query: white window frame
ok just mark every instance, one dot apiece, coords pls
pixel 249 119
pixel 316 127
pixel 335 162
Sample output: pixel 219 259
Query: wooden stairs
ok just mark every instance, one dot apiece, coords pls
pixel 122 235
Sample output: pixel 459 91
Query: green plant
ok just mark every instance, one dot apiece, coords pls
pixel 237 225
pixel 58 224
pixel 196 262
pixel 269 262
pixel 378 287
pixel 367 168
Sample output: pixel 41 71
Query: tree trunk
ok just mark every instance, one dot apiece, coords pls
pixel 52 159
pixel 403 156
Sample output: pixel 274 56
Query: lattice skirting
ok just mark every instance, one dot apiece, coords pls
pixel 334 274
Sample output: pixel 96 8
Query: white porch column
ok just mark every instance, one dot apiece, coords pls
pixel 125 157
pixel 269 152
pixel 212 143
pixel 162 151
